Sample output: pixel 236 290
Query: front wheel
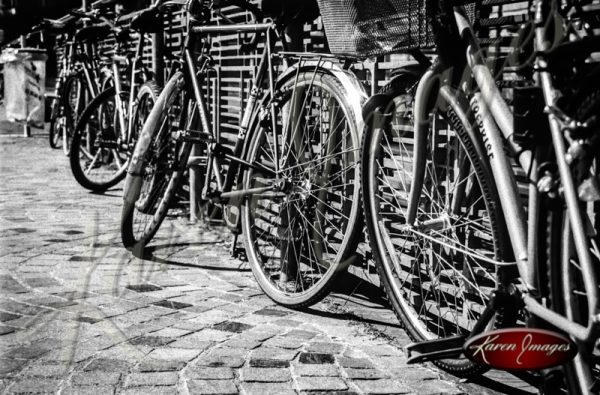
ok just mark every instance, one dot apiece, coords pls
pixel 437 271
pixel 156 168
pixel 301 231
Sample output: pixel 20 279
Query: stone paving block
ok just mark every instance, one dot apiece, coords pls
pixel 171 332
pixel 270 312
pixel 434 387
pixel 268 375
pixel 95 378
pixel 47 370
pixel 160 366
pixel 89 390
pixel 232 326
pixel 224 357
pixel 365 374
pixel 383 386
pixel 35 386
pixel 191 343
pixel 325 348
pixel 5 330
pixel 301 334
pixel 9 366
pixel 314 370
pixel 321 384
pixel 149 390
pixel 211 335
pixel 315 358
pixel 287 323
pixel 212 387
pixel 241 343
pixel 268 388
pixel 24 352
pixel 151 341
pixel 151 379
pixel 284 342
pixel 357 363
pixel 174 354
pixel 208 373
pixel 277 354
pixel 107 365
pixel 268 363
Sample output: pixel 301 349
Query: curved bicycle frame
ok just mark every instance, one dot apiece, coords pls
pixel 495 121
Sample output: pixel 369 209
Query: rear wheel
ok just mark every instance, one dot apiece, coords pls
pixel 438 272
pixel 302 231
pixel 98 157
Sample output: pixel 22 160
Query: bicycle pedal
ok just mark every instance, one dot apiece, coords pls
pixel 433 350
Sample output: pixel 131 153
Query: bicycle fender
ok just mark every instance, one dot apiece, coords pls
pixel 355 92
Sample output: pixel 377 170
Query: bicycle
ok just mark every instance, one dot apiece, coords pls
pixel 109 126
pixel 290 183
pixel 81 77
pixel 455 249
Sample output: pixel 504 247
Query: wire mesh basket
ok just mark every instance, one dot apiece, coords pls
pixel 365 28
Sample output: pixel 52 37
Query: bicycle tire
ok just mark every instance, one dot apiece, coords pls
pixel 324 165
pixel 564 278
pixel 151 182
pixel 73 103
pixel 405 284
pixel 54 134
pixel 97 161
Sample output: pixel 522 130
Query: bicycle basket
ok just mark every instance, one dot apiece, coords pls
pixel 365 28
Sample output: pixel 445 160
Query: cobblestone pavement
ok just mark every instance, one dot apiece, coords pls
pixel 80 315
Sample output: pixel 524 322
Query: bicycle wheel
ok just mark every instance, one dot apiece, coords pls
pixel 157 167
pixel 55 133
pixel 98 157
pixel 437 272
pixel 568 294
pixel 303 233
pixel 74 100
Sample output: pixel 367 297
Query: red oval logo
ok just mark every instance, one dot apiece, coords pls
pixel 520 349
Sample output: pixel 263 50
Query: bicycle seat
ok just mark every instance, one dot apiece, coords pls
pixel 148 21
pixel 93 33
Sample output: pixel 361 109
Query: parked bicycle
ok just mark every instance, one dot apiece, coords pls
pixel 289 184
pixel 456 250
pixel 109 126
pixel 80 79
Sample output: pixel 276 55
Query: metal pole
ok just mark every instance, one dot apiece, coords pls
pixel 84 4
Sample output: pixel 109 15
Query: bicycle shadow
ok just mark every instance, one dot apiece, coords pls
pixel 153 254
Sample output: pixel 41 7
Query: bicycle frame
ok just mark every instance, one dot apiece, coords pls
pixel 265 69
pixel 495 121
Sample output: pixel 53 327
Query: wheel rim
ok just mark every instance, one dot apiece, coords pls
pixel 297 232
pixel 441 290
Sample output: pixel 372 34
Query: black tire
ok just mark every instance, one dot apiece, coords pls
pixel 435 291
pixel 55 131
pixel 74 99
pixel 299 240
pixel 100 164
pixel 97 157
pixel 564 277
pixel 156 168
